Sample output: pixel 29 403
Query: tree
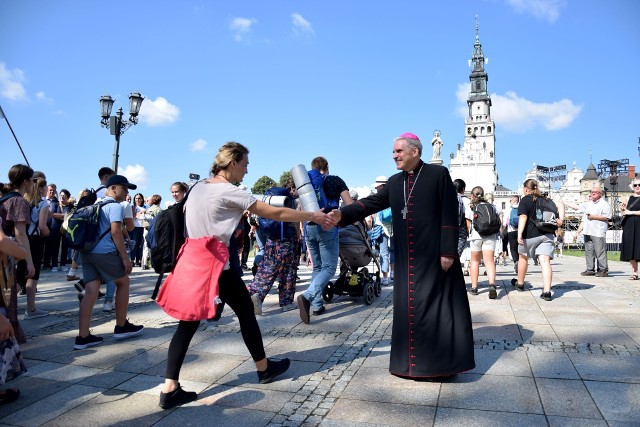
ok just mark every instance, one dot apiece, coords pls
pixel 262 185
pixel 284 178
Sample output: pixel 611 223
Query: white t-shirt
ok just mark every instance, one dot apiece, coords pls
pixel 215 210
pixel 128 212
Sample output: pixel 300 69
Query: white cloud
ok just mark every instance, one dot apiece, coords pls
pixel 11 84
pixel 159 112
pixel 300 25
pixel 198 145
pixel 42 97
pixel 517 114
pixel 136 174
pixel 548 10
pixel 362 191
pixel 240 27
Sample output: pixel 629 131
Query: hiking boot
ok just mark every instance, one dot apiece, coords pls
pixel 493 293
pixel 257 304
pixel 546 296
pixel 176 397
pixel 273 370
pixel 88 341
pixel 304 305
pixel 127 330
pixel 588 273
pixel 35 314
pixel 473 291
pixel 602 273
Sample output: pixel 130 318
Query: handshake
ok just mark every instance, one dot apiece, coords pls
pixel 327 221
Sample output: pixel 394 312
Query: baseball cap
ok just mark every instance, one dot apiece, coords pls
pixel 120 180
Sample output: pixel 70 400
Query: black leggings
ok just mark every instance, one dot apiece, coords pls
pixel 235 294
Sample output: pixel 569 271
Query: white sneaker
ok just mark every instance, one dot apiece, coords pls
pixel 54 269
pixel 35 314
pixel 107 306
pixel 385 281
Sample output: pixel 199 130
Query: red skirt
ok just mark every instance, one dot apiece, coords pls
pixel 191 291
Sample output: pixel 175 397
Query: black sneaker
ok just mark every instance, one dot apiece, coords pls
pixel 588 273
pixel 514 282
pixel 127 330
pixel 88 341
pixel 473 291
pixel 273 370
pixel 176 397
pixel 493 293
pixel 546 296
pixel 320 311
pixel 304 305
pixel 79 286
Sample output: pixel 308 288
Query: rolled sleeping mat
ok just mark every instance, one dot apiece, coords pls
pixel 306 192
pixel 277 201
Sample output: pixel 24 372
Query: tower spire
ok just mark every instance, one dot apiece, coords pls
pixel 478 77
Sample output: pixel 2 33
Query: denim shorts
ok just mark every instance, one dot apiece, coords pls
pixel 107 267
pixel 541 245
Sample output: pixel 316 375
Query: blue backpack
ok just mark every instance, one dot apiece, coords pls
pixel 317 181
pixel 277 230
pixel 513 217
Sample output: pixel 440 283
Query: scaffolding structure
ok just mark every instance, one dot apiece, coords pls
pixel 613 169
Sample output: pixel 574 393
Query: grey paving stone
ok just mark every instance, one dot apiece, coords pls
pixel 50 407
pixel 372 413
pixel 634 333
pixel 507 332
pixel 245 397
pixel 606 367
pixel 551 365
pixel 555 421
pixel 306 349
pixel 47 347
pixel 450 417
pixel 531 317
pixel 376 385
pixel 32 390
pixel 199 415
pixel 567 398
pixel 617 401
pixel 103 356
pixel 142 361
pixel 291 381
pixel 152 385
pixel 62 372
pixel 110 408
pixel 534 332
pixel 201 367
pixel 577 317
pixel 227 343
pixel 107 379
pixel 594 334
pixel 500 362
pixel 488 392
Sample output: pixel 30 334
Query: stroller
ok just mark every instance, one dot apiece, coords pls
pixel 355 256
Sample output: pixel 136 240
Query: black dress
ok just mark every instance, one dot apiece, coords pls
pixel 631 233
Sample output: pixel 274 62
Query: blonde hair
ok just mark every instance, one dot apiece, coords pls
pixel 34 196
pixel 489 197
pixel 229 152
pixel 532 185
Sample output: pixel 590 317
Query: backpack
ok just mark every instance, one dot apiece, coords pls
pixel 86 200
pixel 165 238
pixel 485 219
pixel 273 229
pixel 546 215
pixel 83 227
pixel 317 181
pixel 513 217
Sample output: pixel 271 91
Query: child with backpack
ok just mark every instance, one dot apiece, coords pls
pixel 483 238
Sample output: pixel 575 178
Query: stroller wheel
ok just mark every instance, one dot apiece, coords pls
pixel 327 295
pixel 368 293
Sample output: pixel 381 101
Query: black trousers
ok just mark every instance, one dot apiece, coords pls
pixel 513 245
pixel 235 294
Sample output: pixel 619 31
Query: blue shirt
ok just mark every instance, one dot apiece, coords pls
pixel 109 213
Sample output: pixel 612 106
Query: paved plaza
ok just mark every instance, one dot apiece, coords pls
pixel 574 361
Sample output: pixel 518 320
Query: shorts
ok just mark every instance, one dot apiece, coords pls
pixel 105 267
pixel 487 243
pixel 541 245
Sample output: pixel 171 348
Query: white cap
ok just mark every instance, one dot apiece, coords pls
pixel 381 180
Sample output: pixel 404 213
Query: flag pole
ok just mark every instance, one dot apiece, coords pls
pixel 2 115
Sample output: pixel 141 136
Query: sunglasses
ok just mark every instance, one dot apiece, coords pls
pixel 636 185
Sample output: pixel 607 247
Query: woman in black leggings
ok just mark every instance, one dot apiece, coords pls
pixel 217 198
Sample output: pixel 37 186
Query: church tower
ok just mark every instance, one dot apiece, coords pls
pixel 475 160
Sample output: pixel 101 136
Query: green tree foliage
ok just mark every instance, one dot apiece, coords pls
pixel 262 185
pixel 284 178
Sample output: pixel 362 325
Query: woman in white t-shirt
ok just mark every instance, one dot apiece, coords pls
pixel 214 209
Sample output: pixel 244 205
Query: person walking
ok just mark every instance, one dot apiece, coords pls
pixel 482 247
pixel 631 229
pixel 212 212
pixel 510 221
pixel 432 336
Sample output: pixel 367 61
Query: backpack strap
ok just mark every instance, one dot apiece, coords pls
pixel 159 281
pixel 108 230
pixel 9 195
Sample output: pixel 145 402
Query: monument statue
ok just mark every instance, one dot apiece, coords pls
pixel 436 142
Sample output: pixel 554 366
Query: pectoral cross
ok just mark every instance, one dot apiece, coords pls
pixel 404 212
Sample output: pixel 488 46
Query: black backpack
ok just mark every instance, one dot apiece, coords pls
pixel 485 219
pixel 83 227
pixel 546 215
pixel 165 238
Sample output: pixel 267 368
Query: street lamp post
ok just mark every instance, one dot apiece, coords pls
pixel 116 125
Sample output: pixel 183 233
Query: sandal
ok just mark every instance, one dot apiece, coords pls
pixel 633 277
pixel 9 395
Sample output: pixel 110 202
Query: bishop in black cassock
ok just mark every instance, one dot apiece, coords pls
pixel 432 334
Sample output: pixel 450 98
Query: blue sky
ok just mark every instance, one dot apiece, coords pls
pixel 296 79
